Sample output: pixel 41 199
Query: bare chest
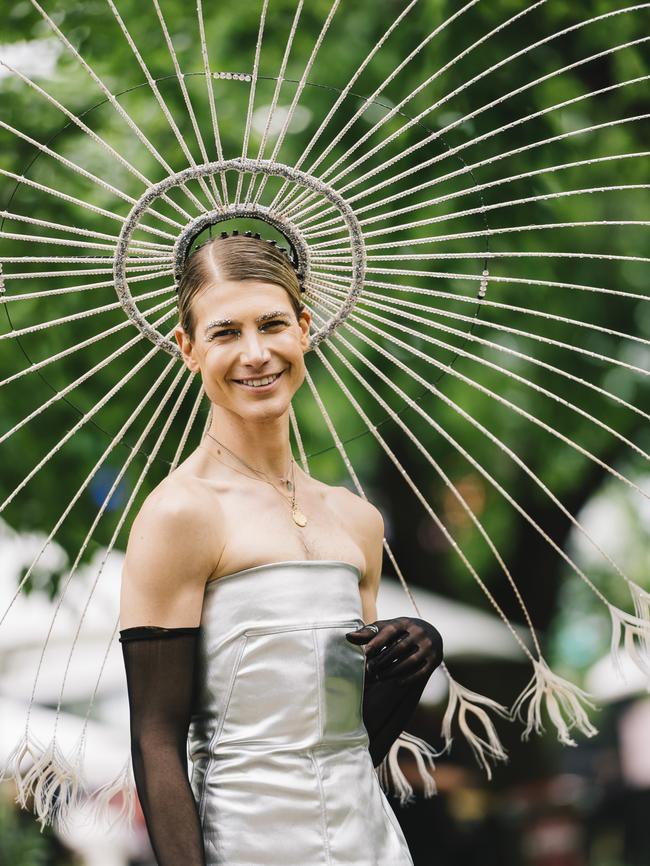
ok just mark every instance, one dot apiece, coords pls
pixel 258 528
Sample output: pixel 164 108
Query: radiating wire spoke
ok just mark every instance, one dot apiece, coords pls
pixel 83 314
pixel 497 305
pixel 488 232
pixel 450 152
pixel 424 502
pixel 511 374
pixel 371 99
pixel 488 106
pixel 116 105
pixel 70 290
pixel 153 270
pixel 276 94
pixel 59 395
pixel 83 232
pixel 251 95
pixel 75 242
pixel 468 336
pixel 213 108
pixel 216 198
pixel 460 193
pixel 117 439
pixel 85 543
pixel 165 110
pixel 299 90
pixel 76 347
pixel 459 498
pixel 501 445
pixel 87 417
pixel 280 202
pixel 188 427
pixel 484 208
pixel 451 275
pixel 91 207
pixel 403 153
pixel 182 372
pixel 88 131
pixel 397 307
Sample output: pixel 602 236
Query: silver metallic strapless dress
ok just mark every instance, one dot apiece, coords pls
pixel 280 765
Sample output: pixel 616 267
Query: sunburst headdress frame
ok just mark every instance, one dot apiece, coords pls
pixel 346 195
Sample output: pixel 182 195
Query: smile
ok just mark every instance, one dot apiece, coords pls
pixel 264 383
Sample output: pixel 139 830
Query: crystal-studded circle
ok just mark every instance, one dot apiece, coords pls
pixel 291 231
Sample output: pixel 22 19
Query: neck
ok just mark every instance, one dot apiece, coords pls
pixel 262 445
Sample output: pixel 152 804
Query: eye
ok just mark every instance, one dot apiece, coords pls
pixel 274 322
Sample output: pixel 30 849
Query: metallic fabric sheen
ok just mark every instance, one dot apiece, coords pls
pixel 281 769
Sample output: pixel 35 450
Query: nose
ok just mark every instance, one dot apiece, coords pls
pixel 253 351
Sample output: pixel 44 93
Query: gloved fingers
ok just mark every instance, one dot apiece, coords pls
pixel 421 673
pixel 415 661
pixel 389 631
pixel 401 648
pixel 361 635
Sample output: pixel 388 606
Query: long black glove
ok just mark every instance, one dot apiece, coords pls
pixel 160 671
pixel 400 658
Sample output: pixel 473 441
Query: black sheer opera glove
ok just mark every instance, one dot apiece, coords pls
pixel 400 658
pixel 161 672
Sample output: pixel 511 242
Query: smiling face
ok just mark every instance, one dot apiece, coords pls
pixel 244 332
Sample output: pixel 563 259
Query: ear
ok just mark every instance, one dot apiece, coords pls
pixel 187 349
pixel 304 321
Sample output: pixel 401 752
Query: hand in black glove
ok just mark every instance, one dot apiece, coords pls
pixel 405 648
pixel 400 658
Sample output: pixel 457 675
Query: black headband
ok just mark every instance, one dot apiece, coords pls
pixel 290 254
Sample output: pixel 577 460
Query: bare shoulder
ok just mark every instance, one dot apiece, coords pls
pixel 367 517
pixel 178 511
pixel 170 555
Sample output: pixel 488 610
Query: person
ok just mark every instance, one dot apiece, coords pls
pixel 245 590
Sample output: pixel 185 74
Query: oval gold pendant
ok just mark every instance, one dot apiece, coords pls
pixel 299 517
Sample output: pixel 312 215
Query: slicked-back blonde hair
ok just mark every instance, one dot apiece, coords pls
pixel 235 258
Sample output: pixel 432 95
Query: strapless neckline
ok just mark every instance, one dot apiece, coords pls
pixel 264 565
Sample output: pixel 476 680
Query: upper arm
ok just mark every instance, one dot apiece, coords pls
pixel 373 537
pixel 169 558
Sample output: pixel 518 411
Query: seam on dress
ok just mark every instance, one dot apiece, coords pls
pixel 277 629
pixel 219 727
pixel 323 811
pixel 319 688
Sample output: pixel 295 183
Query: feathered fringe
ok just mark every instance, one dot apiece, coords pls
pixel 51 785
pixel 465 701
pixel 632 633
pixel 102 805
pixel 391 777
pixel 641 600
pixel 562 698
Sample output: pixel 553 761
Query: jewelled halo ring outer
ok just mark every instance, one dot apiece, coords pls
pixel 247 166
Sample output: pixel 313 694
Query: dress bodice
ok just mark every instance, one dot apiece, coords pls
pixel 281 769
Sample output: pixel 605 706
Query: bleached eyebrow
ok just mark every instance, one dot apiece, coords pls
pixel 222 323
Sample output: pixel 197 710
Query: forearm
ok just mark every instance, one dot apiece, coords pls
pixel 161 678
pixel 168 804
pixel 388 707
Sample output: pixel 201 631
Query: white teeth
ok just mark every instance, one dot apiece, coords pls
pixel 255 383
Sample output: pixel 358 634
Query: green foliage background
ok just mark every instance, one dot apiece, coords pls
pixel 424 555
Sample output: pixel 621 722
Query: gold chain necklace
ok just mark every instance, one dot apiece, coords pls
pixel 298 517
